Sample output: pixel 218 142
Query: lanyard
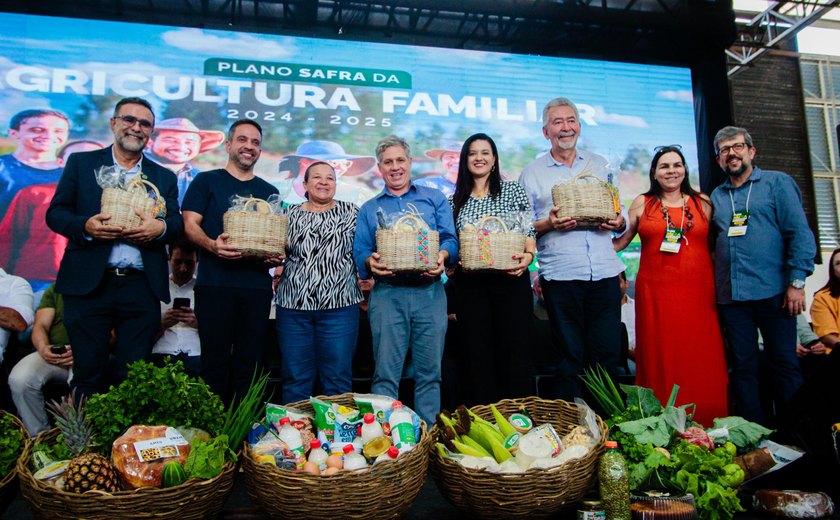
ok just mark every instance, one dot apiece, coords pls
pixel 732 199
pixel 668 222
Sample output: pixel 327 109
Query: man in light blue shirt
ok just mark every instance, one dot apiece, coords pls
pixel 578 267
pixel 406 310
pixel 764 250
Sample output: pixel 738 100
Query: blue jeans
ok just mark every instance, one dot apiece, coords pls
pixel 585 318
pixel 403 318
pixel 317 345
pixel 741 322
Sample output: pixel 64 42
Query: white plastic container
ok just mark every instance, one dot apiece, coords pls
pixel 392 453
pixel 353 460
pixel 371 429
pixel 402 427
pixel 291 436
pixel 317 455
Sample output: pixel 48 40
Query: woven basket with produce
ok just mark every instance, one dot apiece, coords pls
pixel 103 462
pixel 380 474
pixel 587 199
pixel 120 198
pixel 518 458
pixel 257 227
pixel 13 442
pixel 406 243
pixel 490 244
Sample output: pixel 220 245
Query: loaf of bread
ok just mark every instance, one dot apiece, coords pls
pixel 142 466
pixel 793 504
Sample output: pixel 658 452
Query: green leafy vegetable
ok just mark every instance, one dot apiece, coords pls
pixel 153 395
pixel 600 385
pixel 742 432
pixel 642 398
pixel 11 444
pixel 240 415
pixel 206 459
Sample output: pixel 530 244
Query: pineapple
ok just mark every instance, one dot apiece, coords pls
pixel 86 470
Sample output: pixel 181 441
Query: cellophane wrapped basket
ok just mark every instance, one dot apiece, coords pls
pixel 536 493
pixel 9 483
pixel 255 229
pixel 409 245
pixel 194 499
pixel 587 199
pixel 385 491
pixel 483 248
pixel 120 203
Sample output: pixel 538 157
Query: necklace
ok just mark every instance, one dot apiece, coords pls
pixel 687 219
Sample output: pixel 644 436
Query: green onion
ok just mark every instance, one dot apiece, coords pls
pixel 241 415
pixel 600 385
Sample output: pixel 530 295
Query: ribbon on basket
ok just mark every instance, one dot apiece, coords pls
pixel 484 251
pixel 140 184
pixel 423 246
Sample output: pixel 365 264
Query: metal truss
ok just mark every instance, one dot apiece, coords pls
pixel 768 29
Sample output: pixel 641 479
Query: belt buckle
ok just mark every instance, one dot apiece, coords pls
pixel 120 271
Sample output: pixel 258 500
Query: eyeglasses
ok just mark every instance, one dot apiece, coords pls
pixel 131 120
pixel 669 147
pixel 737 148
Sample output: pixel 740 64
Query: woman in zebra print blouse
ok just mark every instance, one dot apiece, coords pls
pixel 318 297
pixel 493 308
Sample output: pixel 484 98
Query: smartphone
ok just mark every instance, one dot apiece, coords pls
pixel 58 349
pixel 181 303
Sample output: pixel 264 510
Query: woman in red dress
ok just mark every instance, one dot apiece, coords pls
pixel 678 338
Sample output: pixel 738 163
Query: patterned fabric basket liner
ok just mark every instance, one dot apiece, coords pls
pixel 409 246
pixel 386 491
pixel 589 203
pixel 536 493
pixel 194 499
pixel 484 249
pixel 256 231
pixel 138 194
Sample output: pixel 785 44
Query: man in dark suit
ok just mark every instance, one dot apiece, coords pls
pixel 110 277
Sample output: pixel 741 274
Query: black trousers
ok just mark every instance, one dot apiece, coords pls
pixel 493 312
pixel 232 323
pixel 124 304
pixel 585 319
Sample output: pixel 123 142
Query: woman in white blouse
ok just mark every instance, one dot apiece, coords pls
pixel 317 299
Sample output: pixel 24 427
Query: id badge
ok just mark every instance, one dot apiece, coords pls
pixel 671 243
pixel 738 226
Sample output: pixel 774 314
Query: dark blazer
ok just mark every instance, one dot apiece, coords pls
pixel 78 197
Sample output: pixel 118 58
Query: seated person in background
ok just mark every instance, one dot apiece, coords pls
pixel 628 318
pixel 178 333
pixel 825 309
pixel 16 307
pixel 809 343
pixel 51 362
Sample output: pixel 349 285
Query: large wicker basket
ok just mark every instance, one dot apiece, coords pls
pixel 483 249
pixel 588 203
pixel 195 499
pixel 386 491
pixel 9 483
pixel 256 231
pixel 121 203
pixel 537 493
pixel 415 250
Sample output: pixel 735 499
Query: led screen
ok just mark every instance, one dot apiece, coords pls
pixel 316 99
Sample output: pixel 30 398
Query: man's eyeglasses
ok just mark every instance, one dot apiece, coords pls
pixel 737 148
pixel 131 120
pixel 667 147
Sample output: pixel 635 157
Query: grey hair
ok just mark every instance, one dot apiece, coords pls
pixel 558 102
pixel 390 141
pixel 728 132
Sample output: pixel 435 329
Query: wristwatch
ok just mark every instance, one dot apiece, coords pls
pixel 797 284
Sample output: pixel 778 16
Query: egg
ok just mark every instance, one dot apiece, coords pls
pixel 330 471
pixel 335 461
pixel 311 467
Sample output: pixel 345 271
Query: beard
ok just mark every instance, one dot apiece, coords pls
pixel 737 172
pixel 131 143
pixel 244 164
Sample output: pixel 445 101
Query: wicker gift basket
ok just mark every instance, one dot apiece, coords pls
pixel 385 491
pixel 9 483
pixel 138 194
pixel 485 248
pixel 536 493
pixel 589 203
pixel 196 498
pixel 255 229
pixel 409 245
